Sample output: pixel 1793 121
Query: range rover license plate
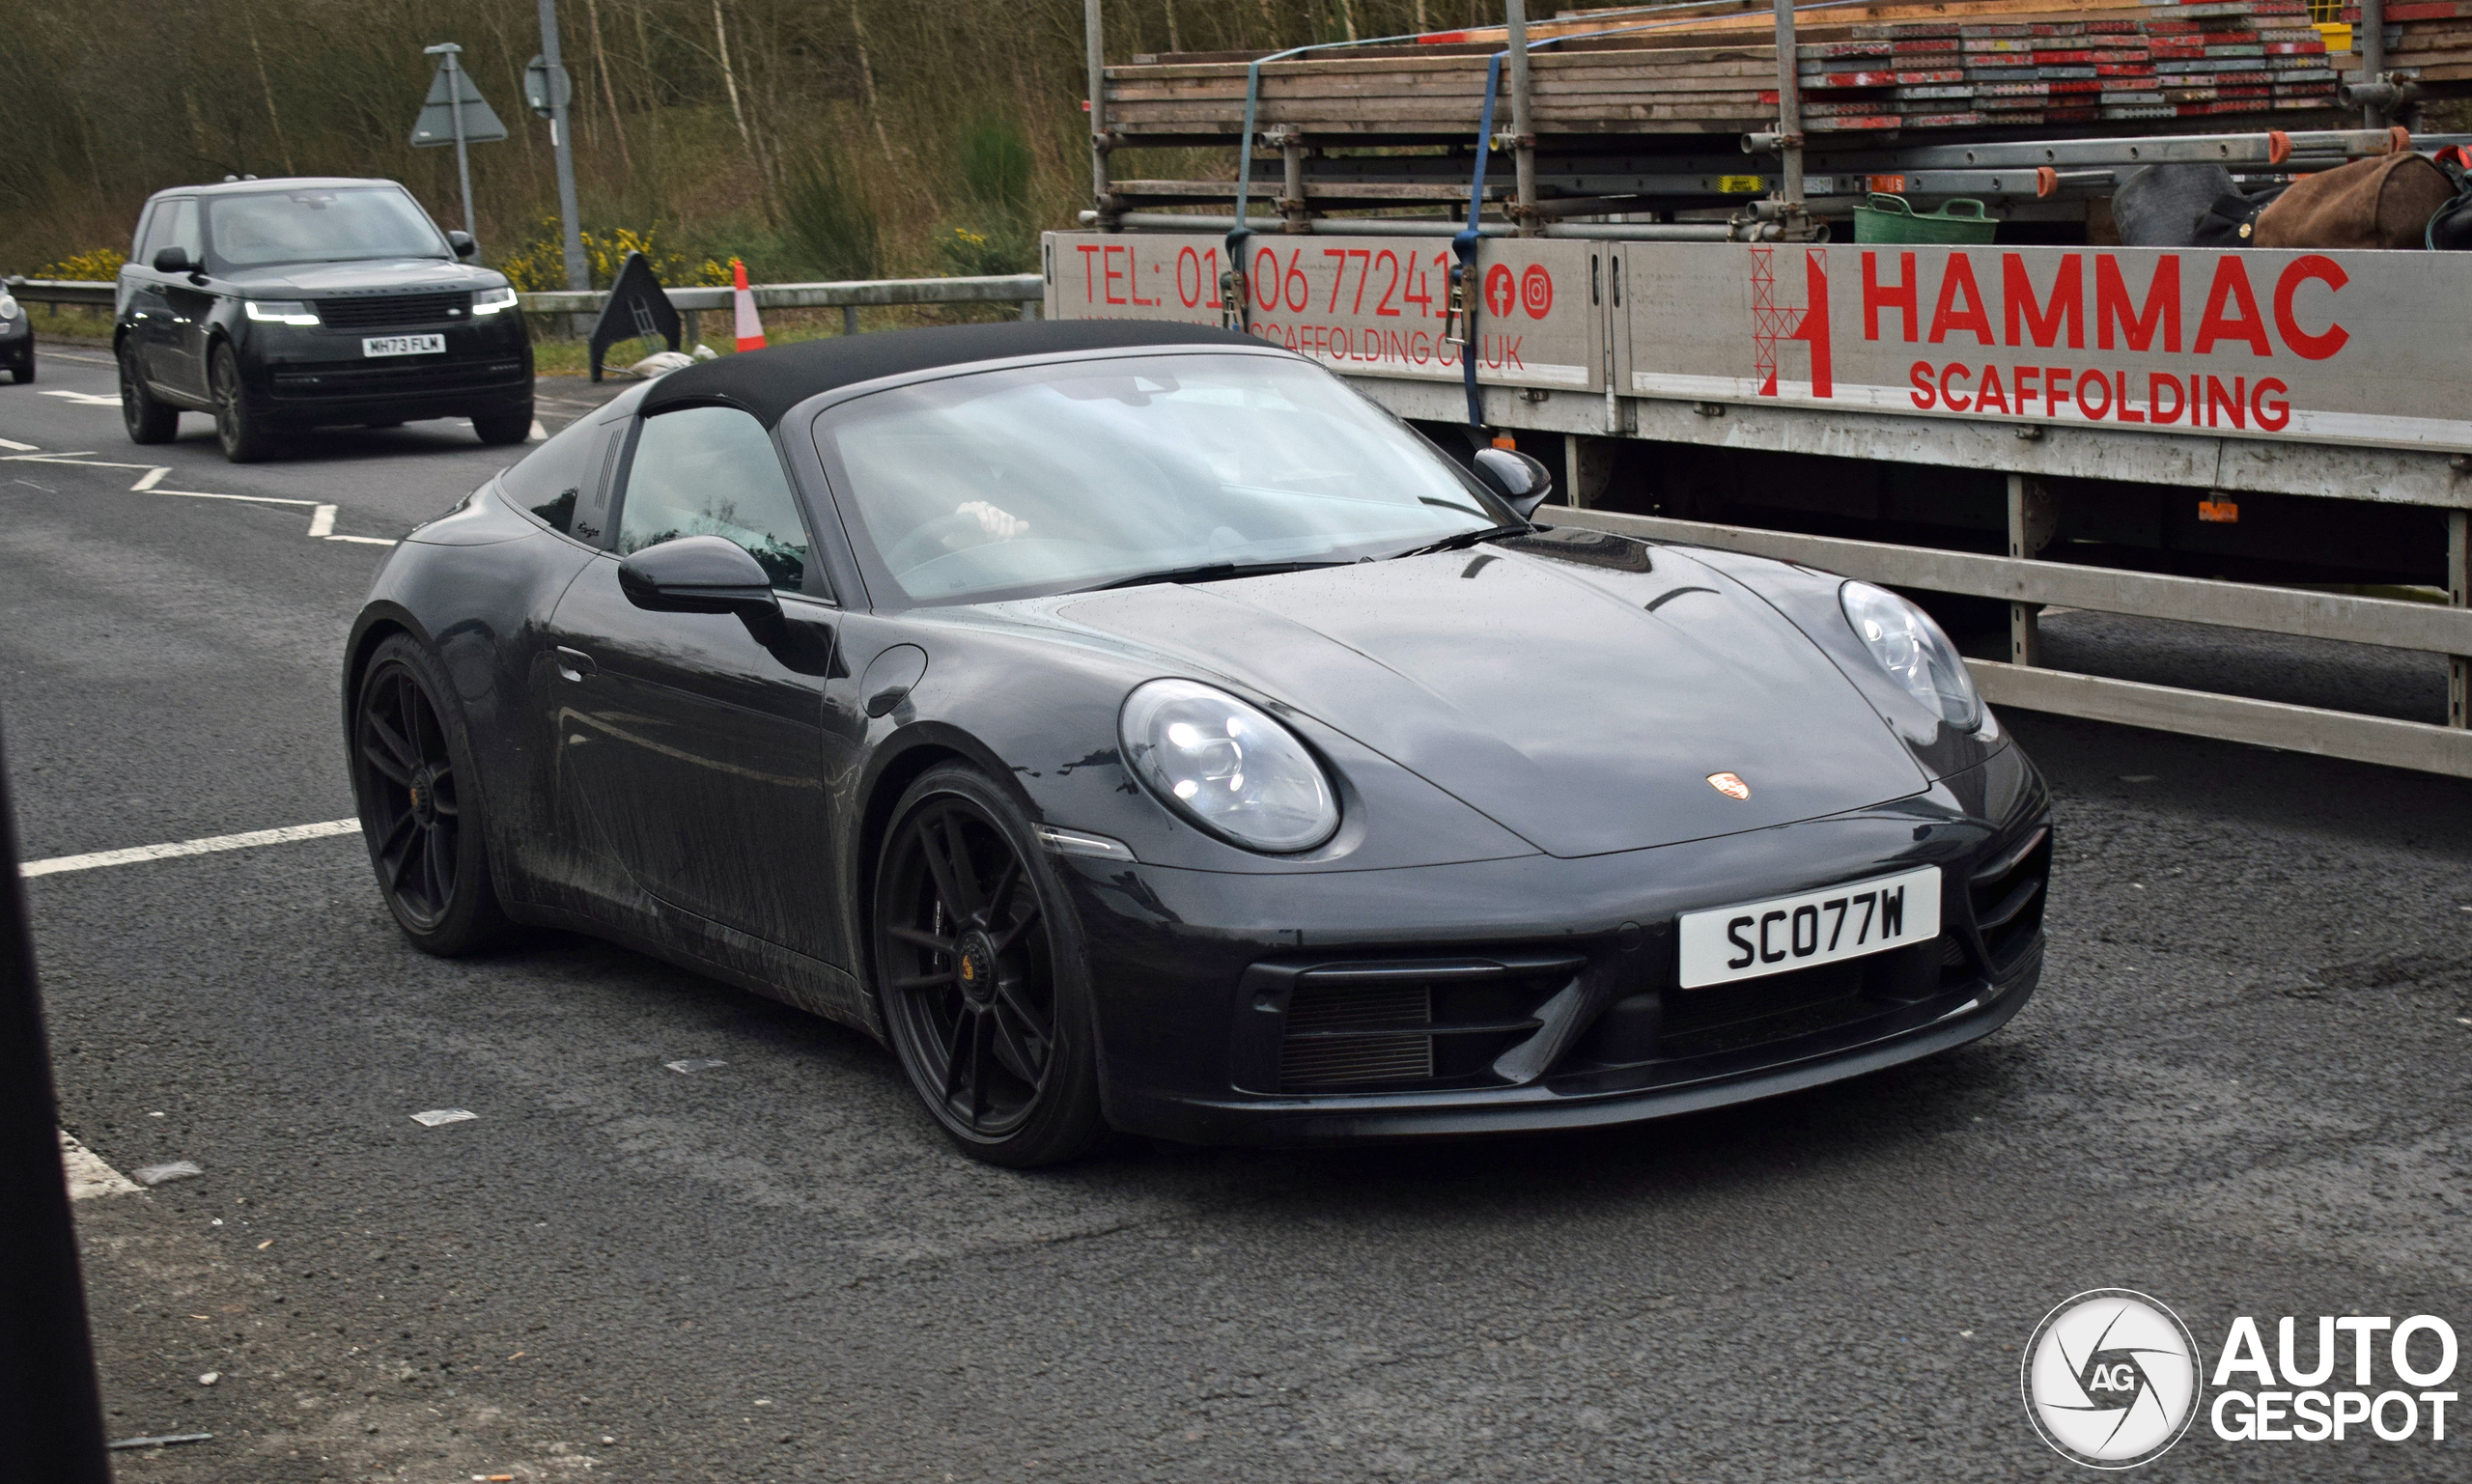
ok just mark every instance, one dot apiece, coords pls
pixel 403 344
pixel 1812 927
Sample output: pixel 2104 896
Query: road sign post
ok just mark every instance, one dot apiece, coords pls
pixel 455 113
pixel 563 148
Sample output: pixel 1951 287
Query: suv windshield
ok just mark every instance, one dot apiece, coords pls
pixel 326 225
pixel 1006 484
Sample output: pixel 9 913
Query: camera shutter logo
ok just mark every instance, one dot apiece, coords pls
pixel 2111 1378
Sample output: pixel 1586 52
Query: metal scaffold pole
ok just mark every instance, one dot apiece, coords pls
pixel 1523 137
pixel 1790 118
pixel 1094 41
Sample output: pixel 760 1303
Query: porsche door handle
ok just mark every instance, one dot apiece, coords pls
pixel 574 663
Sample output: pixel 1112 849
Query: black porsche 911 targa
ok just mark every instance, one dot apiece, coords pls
pixel 1138 729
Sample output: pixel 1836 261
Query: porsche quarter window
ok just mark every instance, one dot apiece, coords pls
pixel 713 471
pixel 1049 478
pixel 560 476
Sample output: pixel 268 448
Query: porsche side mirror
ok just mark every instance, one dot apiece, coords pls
pixel 174 260
pixel 1522 481
pixel 703 575
pixel 462 243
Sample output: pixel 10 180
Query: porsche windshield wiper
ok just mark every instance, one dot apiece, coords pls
pixel 1463 540
pixel 1211 571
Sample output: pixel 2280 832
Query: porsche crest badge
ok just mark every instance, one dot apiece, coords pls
pixel 1729 785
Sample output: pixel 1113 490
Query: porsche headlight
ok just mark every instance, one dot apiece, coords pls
pixel 8 305
pixel 1226 766
pixel 1915 653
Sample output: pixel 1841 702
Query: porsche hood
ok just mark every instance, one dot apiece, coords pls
pixel 1584 704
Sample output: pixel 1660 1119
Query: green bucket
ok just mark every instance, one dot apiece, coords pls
pixel 1886 218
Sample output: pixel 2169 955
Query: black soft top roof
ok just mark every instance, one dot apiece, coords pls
pixel 770 382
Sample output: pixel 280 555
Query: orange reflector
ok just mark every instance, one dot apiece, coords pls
pixel 2219 512
pixel 1505 441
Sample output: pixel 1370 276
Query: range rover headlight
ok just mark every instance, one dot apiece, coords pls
pixel 1915 653
pixel 1226 766
pixel 283 312
pixel 489 301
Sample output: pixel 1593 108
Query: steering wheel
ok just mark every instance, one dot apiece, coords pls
pixel 927 542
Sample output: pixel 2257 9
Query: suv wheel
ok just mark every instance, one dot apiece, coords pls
pixel 147 421
pixel 241 433
pixel 503 427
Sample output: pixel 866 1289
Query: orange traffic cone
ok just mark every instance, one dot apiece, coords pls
pixel 750 329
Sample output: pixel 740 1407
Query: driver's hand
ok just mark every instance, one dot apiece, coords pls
pixel 998 524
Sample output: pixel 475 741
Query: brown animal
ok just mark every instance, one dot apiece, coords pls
pixel 2382 202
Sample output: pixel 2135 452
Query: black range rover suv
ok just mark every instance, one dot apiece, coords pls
pixel 282 305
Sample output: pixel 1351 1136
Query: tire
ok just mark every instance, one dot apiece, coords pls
pixel 500 429
pixel 147 420
pixel 25 373
pixel 244 435
pixel 980 974
pixel 420 804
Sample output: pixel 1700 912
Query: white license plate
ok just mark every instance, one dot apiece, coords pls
pixel 1812 927
pixel 403 344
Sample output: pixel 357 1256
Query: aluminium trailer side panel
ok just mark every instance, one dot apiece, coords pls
pixel 1364 306
pixel 2369 350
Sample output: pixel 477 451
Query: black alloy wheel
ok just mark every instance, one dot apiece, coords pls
pixel 419 813
pixel 24 374
pixel 980 976
pixel 147 420
pixel 241 433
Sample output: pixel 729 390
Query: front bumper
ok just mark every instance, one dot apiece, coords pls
pixel 1538 992
pixel 16 340
pixel 303 376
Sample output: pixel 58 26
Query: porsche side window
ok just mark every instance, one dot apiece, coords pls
pixel 559 475
pixel 713 471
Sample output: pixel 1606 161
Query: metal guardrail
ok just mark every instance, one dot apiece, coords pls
pixel 59 291
pixel 1022 289
pixel 2028 585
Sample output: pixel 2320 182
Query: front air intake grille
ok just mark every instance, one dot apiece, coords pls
pixel 396 309
pixel 1362 1025
pixel 1333 1040
pixel 2008 898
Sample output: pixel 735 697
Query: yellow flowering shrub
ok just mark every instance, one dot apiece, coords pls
pixel 540 265
pixel 96 264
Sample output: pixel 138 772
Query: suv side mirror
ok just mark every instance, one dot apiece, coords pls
pixel 462 243
pixel 1522 481
pixel 174 260
pixel 705 575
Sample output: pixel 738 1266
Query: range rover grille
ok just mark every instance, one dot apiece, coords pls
pixel 383 309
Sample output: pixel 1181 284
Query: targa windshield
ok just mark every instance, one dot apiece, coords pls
pixel 320 226
pixel 1043 479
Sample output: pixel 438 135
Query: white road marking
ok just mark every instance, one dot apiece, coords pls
pixel 84 399
pixel 82 360
pixel 539 432
pixel 89 1177
pixel 31 484
pixel 321 520
pixel 23 448
pixel 179 847
pixel 439 1116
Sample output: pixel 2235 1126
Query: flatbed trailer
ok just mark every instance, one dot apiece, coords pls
pixel 2237 438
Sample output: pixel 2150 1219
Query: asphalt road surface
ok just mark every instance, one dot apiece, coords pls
pixel 2242 1089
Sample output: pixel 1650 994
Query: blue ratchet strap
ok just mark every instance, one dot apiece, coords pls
pixel 1467 290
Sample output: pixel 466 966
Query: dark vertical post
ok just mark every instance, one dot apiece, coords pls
pixel 2025 638
pixel 52 1413
pixel 2370 45
pixel 2458 592
pixel 562 146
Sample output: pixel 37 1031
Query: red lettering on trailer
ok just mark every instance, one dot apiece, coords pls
pixel 1950 375
pixel 1877 295
pixel 2312 268
pixel 1946 315
pixel 2162 304
pixel 2044 321
pixel 2230 290
pixel 1089 275
pixel 2279 412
